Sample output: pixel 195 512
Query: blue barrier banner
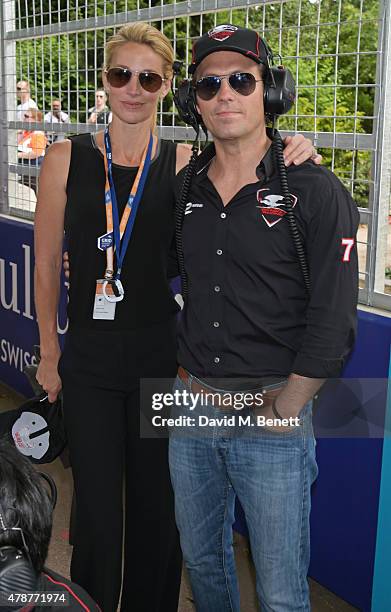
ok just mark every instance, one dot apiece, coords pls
pixel 345 498
pixel 18 323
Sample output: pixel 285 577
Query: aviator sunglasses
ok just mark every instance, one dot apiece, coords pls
pixel 119 77
pixel 242 82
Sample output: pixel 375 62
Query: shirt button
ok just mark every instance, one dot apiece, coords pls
pixel 217 288
pixel 223 215
pixel 219 252
pixel 216 324
pixel 217 359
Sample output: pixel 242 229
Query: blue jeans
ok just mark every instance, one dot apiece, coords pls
pixel 271 472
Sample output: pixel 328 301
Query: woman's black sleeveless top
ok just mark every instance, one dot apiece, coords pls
pixel 148 297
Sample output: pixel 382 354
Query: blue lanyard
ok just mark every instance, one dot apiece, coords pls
pixel 132 203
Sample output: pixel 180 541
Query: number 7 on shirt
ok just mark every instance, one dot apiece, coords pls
pixel 348 243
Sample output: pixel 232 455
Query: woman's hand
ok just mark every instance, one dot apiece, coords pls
pixel 65 265
pixel 48 377
pixel 298 149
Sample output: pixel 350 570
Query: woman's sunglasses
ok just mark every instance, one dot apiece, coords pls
pixel 119 77
pixel 242 82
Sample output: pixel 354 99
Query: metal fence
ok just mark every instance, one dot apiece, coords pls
pixel 338 50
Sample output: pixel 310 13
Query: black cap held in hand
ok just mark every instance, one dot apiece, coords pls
pixel 228 37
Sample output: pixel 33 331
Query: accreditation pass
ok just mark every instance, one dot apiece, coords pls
pixel 103 309
pixel 39 598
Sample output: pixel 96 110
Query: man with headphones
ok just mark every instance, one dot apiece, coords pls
pixel 269 270
pixel 26 516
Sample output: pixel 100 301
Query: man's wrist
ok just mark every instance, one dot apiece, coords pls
pixel 280 413
pixel 274 409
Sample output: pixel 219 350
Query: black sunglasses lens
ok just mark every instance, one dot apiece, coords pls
pixel 207 87
pixel 150 81
pixel 243 82
pixel 118 77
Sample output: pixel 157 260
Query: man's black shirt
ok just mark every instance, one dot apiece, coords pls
pixel 247 314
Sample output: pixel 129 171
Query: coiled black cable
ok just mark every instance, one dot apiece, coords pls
pixel 179 216
pixel 278 148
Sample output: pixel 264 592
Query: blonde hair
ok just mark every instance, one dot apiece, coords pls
pixel 143 34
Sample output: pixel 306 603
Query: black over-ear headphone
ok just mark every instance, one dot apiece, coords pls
pixel 17 574
pixel 185 102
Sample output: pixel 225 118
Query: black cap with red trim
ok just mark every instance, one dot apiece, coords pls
pixel 228 37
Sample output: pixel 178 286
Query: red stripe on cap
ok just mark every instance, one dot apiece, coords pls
pixel 70 591
pixel 258 41
pixel 252 53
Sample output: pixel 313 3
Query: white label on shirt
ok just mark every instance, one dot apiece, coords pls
pixel 190 206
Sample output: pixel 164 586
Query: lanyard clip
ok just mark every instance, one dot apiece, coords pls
pixel 117 290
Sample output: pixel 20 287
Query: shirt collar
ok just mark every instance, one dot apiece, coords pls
pixel 205 158
pixel 265 168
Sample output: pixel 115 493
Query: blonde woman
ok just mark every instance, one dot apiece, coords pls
pixel 121 324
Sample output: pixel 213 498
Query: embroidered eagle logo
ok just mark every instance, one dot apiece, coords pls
pixel 272 206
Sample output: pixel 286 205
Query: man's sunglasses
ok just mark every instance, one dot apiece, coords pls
pixel 242 82
pixel 119 77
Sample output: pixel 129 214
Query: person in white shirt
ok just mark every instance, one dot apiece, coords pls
pixel 26 102
pixel 56 115
pixel 100 113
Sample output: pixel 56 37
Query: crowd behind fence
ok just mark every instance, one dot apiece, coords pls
pixel 338 50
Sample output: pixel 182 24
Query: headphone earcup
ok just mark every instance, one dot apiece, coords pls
pixel 16 572
pixel 185 102
pixel 279 91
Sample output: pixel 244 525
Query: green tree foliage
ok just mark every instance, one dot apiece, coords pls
pixel 335 83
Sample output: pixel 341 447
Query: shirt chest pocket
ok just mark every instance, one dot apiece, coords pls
pixel 259 240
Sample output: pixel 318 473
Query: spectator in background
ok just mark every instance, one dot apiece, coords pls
pixel 26 102
pixel 26 518
pixel 31 146
pixel 100 113
pixel 56 115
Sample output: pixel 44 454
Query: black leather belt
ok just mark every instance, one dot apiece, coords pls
pixel 220 399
